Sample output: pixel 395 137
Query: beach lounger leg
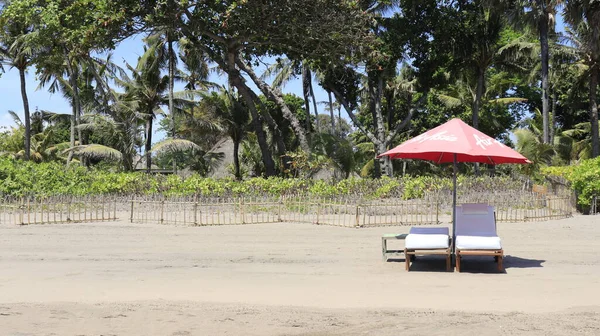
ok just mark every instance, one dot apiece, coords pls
pixel 449 261
pixel 500 263
pixel 407 260
pixel 457 261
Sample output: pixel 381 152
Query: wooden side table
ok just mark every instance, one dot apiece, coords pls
pixel 387 253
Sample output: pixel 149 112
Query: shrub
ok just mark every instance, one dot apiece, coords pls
pixel 19 178
pixel 584 178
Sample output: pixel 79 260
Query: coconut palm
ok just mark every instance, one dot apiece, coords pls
pixel 538 16
pixel 147 90
pixel 584 17
pixel 16 53
pixel 285 70
pixel 531 146
pixel 233 115
pixel 580 138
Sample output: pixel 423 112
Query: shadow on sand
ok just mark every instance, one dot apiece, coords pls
pixel 470 264
pixel 429 263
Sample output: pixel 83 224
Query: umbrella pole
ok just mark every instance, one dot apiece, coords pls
pixel 454 205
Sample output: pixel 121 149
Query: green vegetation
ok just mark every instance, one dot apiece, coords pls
pixel 583 178
pixel 45 179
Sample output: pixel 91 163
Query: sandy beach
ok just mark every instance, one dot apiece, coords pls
pixel 119 278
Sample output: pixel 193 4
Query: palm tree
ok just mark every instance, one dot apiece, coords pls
pixel 538 15
pixel 147 90
pixel 580 140
pixel 531 146
pixel 63 75
pixel 481 51
pixel 16 53
pixel 42 147
pixel 283 71
pixel 234 116
pixel 584 17
pixel 118 131
pixel 161 49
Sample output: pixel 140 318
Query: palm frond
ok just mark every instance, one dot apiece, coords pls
pixel 449 101
pixel 16 118
pixel 506 101
pixel 174 145
pixel 96 151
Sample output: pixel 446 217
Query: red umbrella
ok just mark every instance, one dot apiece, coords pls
pixel 455 141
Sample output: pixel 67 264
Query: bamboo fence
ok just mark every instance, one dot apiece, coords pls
pixel 595 205
pixel 341 211
pixel 58 209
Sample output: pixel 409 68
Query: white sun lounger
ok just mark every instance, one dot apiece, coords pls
pixel 427 241
pixel 476 233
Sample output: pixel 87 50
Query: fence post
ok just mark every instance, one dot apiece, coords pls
pixel 131 214
pixel 242 210
pixel 437 210
pixel 69 210
pixel 318 211
pixel 102 197
pixel 28 211
pixel 357 215
pixel 162 208
pixel 195 209
pixel 279 206
pixel 22 212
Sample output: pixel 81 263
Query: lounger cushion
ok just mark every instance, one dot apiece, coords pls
pixel 426 241
pixel 477 243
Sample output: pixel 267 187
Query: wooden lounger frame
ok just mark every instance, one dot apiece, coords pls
pixel 409 253
pixel 497 254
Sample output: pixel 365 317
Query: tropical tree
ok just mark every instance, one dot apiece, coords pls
pixel 584 17
pixel 531 146
pixel 234 117
pixel 538 16
pixel 16 53
pixel 283 71
pixel 148 90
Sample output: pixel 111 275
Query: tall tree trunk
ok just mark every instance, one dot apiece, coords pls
pixel 543 29
pixel 386 164
pixel 478 96
pixel 72 132
pixel 594 71
pixel 339 121
pixel 278 99
pixel 553 117
pixel 305 94
pixel 477 103
pixel 377 164
pixel 236 159
pixel 276 132
pixel 236 80
pixel 26 112
pixel 148 145
pixel 171 84
pixel 77 100
pixel 314 100
pixel 72 74
pixel 331 112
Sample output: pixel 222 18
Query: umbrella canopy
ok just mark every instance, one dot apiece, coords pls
pixel 455 140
